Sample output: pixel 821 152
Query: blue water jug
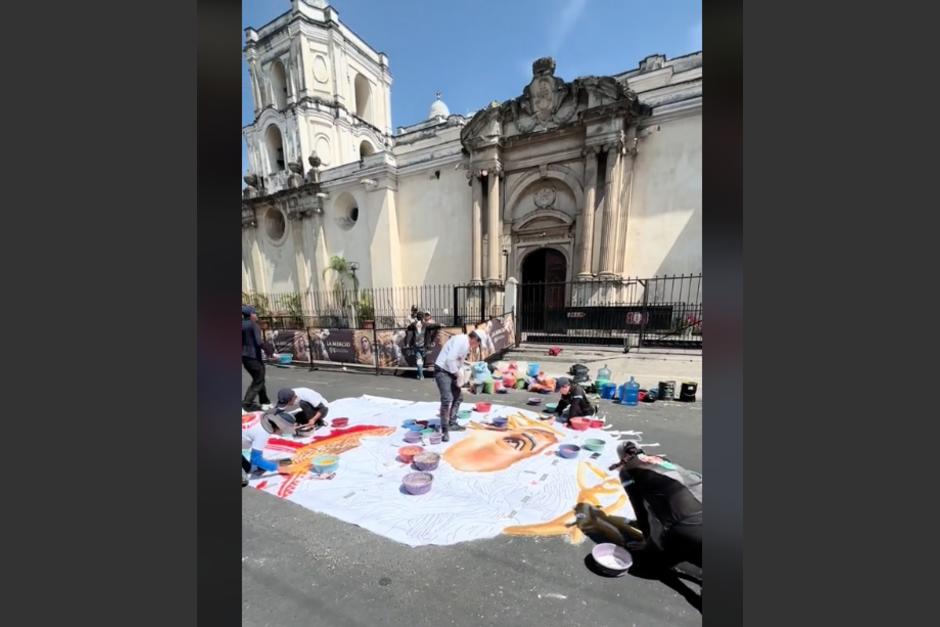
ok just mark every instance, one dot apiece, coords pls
pixel 608 390
pixel 630 392
pixel 603 374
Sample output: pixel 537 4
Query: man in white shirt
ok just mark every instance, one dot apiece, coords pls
pixel 306 406
pixel 446 369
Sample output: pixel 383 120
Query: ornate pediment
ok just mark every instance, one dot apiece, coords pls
pixel 549 102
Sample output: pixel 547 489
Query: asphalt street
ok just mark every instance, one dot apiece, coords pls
pixel 304 568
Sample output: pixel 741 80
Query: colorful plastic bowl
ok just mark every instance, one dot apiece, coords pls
pixel 427 432
pixel 500 421
pixel 594 444
pixel 417 482
pixel 407 453
pixel 412 437
pixel 612 559
pixel 534 400
pixel 551 406
pixel 435 438
pixel 339 422
pixel 568 451
pixel 285 358
pixel 407 424
pixel 325 464
pixel 416 427
pixel 580 424
pixel 596 424
pixel 482 408
pixel 464 414
pixel 426 461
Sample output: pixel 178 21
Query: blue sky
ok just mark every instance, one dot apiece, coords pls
pixel 476 51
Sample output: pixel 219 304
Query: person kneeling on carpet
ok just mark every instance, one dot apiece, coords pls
pixel 256 439
pixel 306 407
pixel 574 402
pixel 667 500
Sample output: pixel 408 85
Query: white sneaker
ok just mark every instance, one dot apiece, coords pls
pixel 266 407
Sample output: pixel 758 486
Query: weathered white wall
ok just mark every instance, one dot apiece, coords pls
pixel 664 228
pixel 434 226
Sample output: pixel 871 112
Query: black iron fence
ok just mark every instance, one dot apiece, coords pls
pixel 663 311
pixel 379 307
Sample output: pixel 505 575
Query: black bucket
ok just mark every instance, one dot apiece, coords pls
pixel 687 393
pixel 667 390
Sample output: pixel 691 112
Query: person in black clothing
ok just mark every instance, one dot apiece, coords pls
pixel 667 499
pixel 573 401
pixel 421 337
pixel 252 360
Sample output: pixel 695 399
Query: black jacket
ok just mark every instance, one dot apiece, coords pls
pixel 251 340
pixel 577 400
pixel 663 495
pixel 430 335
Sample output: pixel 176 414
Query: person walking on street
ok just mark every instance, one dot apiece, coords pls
pixel 253 361
pixel 446 375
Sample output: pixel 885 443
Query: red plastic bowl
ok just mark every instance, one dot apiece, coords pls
pixel 339 422
pixel 407 453
pixel 483 407
pixel 597 424
pixel 580 424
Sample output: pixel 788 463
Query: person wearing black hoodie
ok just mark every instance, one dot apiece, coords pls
pixel 574 402
pixel 253 360
pixel 667 500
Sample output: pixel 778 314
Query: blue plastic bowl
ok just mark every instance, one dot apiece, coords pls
pixel 500 421
pixel 325 464
pixel 285 358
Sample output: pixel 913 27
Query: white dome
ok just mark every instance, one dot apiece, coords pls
pixel 438 108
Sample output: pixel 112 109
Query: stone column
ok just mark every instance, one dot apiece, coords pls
pixel 611 214
pixel 255 85
pixel 493 228
pixel 587 212
pixel 476 223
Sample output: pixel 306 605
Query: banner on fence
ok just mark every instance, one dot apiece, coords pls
pixel 393 353
pixel 501 331
pixel 291 341
pixel 345 346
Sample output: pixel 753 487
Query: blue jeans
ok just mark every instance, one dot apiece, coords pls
pixel 419 355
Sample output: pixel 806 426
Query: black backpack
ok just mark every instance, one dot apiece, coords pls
pixel 580 373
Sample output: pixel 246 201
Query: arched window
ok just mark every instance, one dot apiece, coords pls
pixel 275 145
pixel 279 84
pixel 363 98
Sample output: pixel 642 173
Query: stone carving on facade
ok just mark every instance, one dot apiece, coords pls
pixel 249 218
pixel 313 175
pixel 549 102
pixel 296 178
pixel 545 197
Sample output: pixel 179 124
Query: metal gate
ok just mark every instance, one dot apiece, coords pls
pixel 469 304
pixel 660 311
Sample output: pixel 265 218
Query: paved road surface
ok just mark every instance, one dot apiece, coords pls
pixel 304 568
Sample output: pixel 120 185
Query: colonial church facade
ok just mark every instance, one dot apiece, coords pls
pixel 597 177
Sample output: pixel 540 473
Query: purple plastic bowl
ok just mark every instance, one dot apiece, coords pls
pixel 612 559
pixel 435 438
pixel 417 482
pixel 568 451
pixel 412 437
pixel 426 461
pixel 500 421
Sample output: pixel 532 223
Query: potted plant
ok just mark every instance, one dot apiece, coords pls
pixel 366 312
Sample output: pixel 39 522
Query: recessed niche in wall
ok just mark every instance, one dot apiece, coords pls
pixel 275 225
pixel 346 211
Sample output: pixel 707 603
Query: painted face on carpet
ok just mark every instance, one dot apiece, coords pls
pixel 489 481
pixel 487 449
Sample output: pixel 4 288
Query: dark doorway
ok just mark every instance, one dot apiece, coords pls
pixel 543 291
